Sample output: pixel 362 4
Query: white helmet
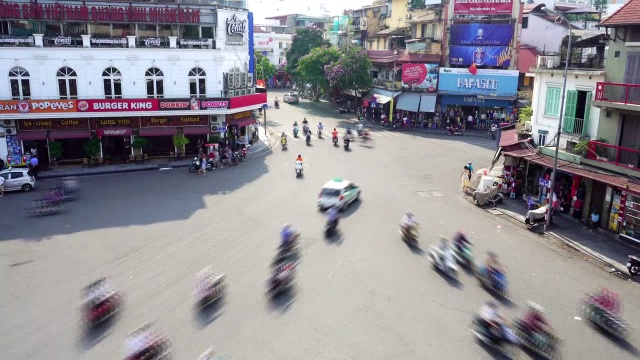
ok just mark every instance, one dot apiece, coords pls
pixel 535 306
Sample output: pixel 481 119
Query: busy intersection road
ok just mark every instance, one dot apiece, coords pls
pixel 364 295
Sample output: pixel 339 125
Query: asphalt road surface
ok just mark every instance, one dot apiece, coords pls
pixel 364 295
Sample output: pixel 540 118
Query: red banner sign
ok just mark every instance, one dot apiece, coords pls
pixel 35 11
pixel 163 121
pixel 37 106
pixel 71 124
pixel 482 7
pixel 117 105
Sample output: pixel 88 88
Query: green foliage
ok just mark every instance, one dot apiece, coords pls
pixel 351 71
pixel 264 69
pixel 92 148
pixel 311 67
pixel 304 40
pixel 215 139
pixel 581 147
pixel 525 114
pixel 140 142
pixel 56 150
pixel 179 141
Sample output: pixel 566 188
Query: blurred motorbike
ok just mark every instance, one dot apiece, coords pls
pixel 604 319
pixel 546 347
pixel 493 281
pixel 100 302
pixel 443 259
pixel 210 288
pixel 145 344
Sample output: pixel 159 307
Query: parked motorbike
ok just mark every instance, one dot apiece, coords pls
pixel 498 338
pixel 547 348
pixel 633 266
pixel 409 235
pixel 195 165
pixel 455 131
pixel 283 143
pixel 298 169
pixel 536 217
pixel 603 318
pixel 243 153
pixel 346 144
pixel 444 261
pixel 330 228
pixel 235 158
pixel 295 131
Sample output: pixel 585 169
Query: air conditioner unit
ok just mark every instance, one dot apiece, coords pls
pixel 10 131
pixel 236 82
pixel 250 79
pixel 213 119
pixel 527 126
pixel 229 80
pixel 214 128
pixel 243 80
pixel 9 123
pixel 231 93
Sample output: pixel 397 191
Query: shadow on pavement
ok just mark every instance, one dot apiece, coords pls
pixel 207 315
pixel 283 301
pixel 92 337
pixel 493 352
pixel 621 343
pixel 131 199
pixel 336 238
pixel 352 208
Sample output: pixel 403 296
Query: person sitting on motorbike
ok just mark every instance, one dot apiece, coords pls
pixel 408 222
pixel 295 124
pixel 333 214
pixel 299 158
pixel 608 300
pixel 492 265
pixel 535 322
pixel 348 132
pixel 286 235
pixel 305 129
pixel 490 314
pixel 460 240
pixel 305 121
pixel 96 292
pixel 334 133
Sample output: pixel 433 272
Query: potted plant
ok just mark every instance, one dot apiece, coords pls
pixel 56 150
pixel 179 141
pixel 92 148
pixel 581 148
pixel 139 144
pixel 214 139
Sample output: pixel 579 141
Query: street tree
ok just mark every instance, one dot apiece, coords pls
pixel 264 69
pixel 351 71
pixel 304 40
pixel 310 68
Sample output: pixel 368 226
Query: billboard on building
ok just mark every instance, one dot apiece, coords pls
pixel 481 55
pixel 481 34
pixel 482 7
pixel 487 82
pixel 420 76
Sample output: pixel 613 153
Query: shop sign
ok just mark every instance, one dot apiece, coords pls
pixel 115 105
pixel 524 95
pixel 174 121
pixel 194 42
pixel 420 76
pixel 149 42
pixel 263 42
pixel 115 132
pixel 69 124
pixel 214 104
pixel 179 104
pixel 62 12
pixel 37 106
pixel 62 40
pixel 15 40
pixel 108 41
pixel 245 115
pixel 481 34
pixel 105 123
pixel 544 182
pixel 488 82
pixel 481 56
pixel 236 29
pixel 482 7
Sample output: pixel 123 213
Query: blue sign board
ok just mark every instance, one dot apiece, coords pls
pixel 480 55
pixel 486 82
pixel 473 100
pixel 481 34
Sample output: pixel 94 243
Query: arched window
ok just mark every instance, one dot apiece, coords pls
pixel 154 78
pixel 19 82
pixel 67 83
pixel 112 83
pixel 197 82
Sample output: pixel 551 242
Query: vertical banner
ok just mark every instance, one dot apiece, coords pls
pixel 252 60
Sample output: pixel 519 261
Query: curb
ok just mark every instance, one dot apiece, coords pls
pixel 107 172
pixel 574 245
pixel 270 145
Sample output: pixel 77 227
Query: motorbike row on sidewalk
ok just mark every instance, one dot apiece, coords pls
pixel 217 159
pixel 530 332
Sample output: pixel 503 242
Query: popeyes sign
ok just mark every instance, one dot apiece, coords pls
pixel 37 106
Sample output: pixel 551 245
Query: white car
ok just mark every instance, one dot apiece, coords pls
pixel 338 192
pixel 18 179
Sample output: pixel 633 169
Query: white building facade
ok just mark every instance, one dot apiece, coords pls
pixel 273 45
pixel 113 71
pixel 581 119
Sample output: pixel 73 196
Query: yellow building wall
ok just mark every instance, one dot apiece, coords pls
pixel 398 18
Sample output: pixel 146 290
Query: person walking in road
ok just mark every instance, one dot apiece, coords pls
pixel 203 165
pixel 33 164
pixel 1 185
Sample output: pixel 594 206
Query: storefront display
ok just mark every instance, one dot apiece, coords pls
pixel 617 211
pixel 160 131
pixel 71 133
pixel 630 227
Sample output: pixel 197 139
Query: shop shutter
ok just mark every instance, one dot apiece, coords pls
pixel 570 111
pixel 632 76
pixel 587 114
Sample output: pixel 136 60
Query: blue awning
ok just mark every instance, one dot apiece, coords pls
pixel 428 103
pixel 409 102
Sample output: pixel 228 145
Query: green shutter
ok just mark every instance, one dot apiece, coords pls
pixel 552 103
pixel 570 111
pixel 587 114
pixel 548 100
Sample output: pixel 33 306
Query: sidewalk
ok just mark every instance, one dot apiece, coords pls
pixel 600 244
pixel 377 125
pixel 263 144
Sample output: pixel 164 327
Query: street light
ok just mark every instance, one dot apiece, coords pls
pixel 552 185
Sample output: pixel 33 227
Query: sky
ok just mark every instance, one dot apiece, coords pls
pixel 268 8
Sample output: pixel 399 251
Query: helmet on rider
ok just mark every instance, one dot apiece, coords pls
pixel 535 307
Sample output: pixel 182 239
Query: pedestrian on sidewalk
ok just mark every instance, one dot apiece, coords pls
pixel 33 165
pixel 203 165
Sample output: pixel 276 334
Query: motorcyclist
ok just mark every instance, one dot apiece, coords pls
pixel 490 314
pixel 305 129
pixel 348 132
pixel 492 264
pixel 334 133
pixel 276 102
pixel 536 324
pixel 286 235
pixel 283 138
pixel 299 158
pixel 333 215
pixel 460 240
pixel 96 291
pixel 140 340
pixel 608 300
pixel 305 122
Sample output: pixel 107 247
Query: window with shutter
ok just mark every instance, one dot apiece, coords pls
pixel 552 103
pixel 568 124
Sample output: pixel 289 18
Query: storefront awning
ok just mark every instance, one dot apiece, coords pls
pixel 428 103
pixel 381 99
pixel 409 102
pixel 383 92
pixel 32 135
pixel 158 131
pixel 245 122
pixel 195 130
pixel 69 134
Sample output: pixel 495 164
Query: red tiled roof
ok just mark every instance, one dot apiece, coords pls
pixel 509 137
pixel 527 58
pixel 628 14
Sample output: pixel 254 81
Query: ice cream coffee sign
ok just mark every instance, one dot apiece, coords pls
pixel 236 30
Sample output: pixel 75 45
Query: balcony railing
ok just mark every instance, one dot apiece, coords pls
pixel 616 155
pixel 625 94
pixel 575 126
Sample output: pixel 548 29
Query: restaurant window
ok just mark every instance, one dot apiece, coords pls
pixel 19 82
pixel 154 79
pixel 112 82
pixel 52 29
pixel 207 32
pixel 164 31
pixel 74 29
pixel 190 31
pixel 147 31
pixel 67 83
pixel 4 28
pixel 197 83
pixel 123 30
pixel 101 30
pixel 23 28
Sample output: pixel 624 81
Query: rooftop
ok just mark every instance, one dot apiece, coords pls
pixel 628 14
